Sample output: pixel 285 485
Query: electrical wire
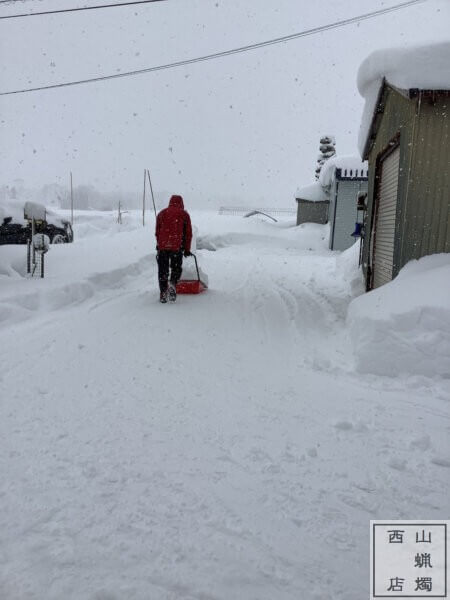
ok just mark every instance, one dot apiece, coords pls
pixel 14 1
pixel 224 53
pixel 71 10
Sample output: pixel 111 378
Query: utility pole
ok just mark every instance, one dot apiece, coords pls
pixel 143 202
pixel 71 199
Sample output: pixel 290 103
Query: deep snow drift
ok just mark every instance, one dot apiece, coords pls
pixel 404 326
pixel 222 447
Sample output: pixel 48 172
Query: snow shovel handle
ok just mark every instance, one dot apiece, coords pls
pixel 196 265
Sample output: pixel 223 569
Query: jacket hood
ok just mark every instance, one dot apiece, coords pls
pixel 176 202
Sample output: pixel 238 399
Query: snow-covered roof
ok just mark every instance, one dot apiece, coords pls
pixel 350 163
pixel 313 192
pixel 15 209
pixel 12 208
pixel 426 67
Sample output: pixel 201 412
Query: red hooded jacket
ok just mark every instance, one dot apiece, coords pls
pixel 173 227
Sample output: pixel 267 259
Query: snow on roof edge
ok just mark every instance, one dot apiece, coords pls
pixel 344 161
pixel 424 67
pixel 313 192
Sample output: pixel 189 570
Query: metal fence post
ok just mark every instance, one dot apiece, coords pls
pixel 28 256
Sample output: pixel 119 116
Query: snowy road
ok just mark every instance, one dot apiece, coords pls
pixel 219 448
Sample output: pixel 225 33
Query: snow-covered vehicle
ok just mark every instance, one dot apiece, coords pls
pixel 15 224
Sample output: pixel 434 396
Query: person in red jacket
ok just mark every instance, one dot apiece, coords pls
pixel 173 239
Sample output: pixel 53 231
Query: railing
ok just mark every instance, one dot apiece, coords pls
pixel 243 210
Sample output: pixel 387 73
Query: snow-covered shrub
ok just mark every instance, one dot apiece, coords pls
pixel 327 150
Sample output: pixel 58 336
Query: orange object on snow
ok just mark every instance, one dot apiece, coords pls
pixel 192 286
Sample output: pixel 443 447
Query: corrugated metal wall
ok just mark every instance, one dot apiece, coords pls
pixel 343 213
pixel 312 212
pixel 423 203
pixel 426 206
pixel 386 216
pixel 397 118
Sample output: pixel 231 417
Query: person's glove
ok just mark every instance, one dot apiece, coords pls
pixel 187 253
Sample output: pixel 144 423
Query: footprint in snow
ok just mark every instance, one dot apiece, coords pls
pixel 343 425
pixel 359 426
pixel 441 462
pixel 422 443
pixel 398 464
pixel 104 595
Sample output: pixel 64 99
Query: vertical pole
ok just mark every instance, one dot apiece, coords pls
pixel 33 251
pixel 71 199
pixel 42 265
pixel 28 256
pixel 143 202
pixel 151 189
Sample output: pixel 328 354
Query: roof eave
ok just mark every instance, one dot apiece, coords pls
pixel 377 111
pixel 410 93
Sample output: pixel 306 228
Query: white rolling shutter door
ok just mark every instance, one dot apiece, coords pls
pixel 385 225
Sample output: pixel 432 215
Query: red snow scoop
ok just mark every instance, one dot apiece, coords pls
pixel 192 286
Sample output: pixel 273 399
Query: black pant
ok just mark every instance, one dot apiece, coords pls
pixel 166 259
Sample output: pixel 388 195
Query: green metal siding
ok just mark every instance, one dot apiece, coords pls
pixel 426 227
pixel 423 217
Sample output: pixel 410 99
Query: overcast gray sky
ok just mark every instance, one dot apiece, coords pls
pixel 242 128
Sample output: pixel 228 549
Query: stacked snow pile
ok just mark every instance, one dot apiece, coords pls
pixel 350 165
pixel 349 271
pixel 422 67
pixel 313 193
pixel 33 210
pixel 12 208
pixel 403 327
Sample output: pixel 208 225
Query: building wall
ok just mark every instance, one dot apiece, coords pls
pixel 426 203
pixel 397 118
pixel 344 193
pixel 312 212
pixel 423 213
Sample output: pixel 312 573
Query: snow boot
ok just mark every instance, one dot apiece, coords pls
pixel 163 297
pixel 172 293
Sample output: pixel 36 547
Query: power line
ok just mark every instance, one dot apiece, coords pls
pixel 224 53
pixel 69 10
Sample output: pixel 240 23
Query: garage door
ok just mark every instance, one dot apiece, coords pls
pixel 383 258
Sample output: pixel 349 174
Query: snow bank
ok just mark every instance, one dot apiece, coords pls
pixel 404 326
pixel 349 272
pixel 313 192
pixel 423 67
pixel 347 162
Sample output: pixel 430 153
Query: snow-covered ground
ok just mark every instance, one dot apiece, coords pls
pixel 221 448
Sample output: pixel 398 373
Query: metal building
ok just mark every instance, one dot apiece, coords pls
pixel 312 204
pixel 408 211
pixel 343 177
